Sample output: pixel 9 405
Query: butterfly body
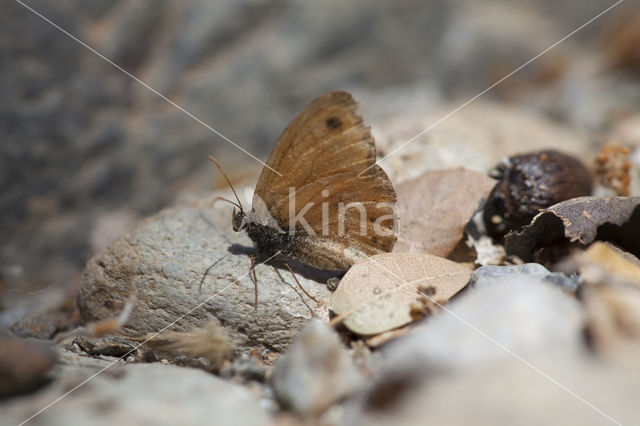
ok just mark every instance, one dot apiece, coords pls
pixel 269 241
pixel 322 200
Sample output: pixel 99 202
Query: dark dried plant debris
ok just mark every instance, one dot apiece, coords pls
pixel 106 346
pixel 528 183
pixel 578 221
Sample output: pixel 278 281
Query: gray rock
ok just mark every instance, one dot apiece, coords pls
pixel 136 394
pixel 315 372
pixel 246 367
pixel 488 274
pixel 510 393
pixel 162 263
pixel 452 370
pixel 526 317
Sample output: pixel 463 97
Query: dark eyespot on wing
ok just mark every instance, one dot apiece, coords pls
pixel 333 123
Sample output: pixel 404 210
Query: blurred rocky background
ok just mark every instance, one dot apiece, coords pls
pixel 86 150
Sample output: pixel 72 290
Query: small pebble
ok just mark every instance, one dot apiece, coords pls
pixel 315 371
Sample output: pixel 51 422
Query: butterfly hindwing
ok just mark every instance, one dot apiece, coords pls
pixel 319 156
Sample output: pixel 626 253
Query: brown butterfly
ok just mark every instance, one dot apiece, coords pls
pixel 310 203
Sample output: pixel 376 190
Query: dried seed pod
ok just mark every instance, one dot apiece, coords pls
pixel 528 183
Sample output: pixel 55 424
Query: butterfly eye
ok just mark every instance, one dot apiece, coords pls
pixel 239 220
pixel 236 220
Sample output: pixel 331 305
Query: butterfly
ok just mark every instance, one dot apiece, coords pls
pixel 322 200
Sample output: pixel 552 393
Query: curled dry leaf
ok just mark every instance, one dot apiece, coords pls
pixel 580 220
pixel 380 293
pixel 435 208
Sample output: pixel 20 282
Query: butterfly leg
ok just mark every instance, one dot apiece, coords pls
pixel 300 285
pixel 206 272
pixel 254 278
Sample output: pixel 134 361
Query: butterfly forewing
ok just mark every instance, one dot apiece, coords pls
pixel 320 155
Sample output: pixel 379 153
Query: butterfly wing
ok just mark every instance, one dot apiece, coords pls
pixel 345 216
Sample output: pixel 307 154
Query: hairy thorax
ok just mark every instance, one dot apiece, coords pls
pixel 269 240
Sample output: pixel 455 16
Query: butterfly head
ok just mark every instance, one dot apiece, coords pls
pixel 238 220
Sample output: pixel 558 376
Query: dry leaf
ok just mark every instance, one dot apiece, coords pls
pixel 435 207
pixel 580 220
pixel 379 293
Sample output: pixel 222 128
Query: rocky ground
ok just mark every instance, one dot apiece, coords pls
pixel 105 207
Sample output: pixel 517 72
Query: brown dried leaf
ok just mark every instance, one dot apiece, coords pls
pixel 378 293
pixel 435 208
pixel 580 220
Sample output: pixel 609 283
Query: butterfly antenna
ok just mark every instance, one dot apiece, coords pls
pixel 215 200
pixel 228 181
